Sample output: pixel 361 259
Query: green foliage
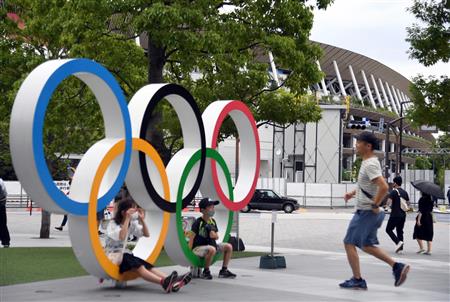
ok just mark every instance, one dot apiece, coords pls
pixel 287 108
pixel 356 167
pixel 442 161
pixel 58 30
pixel 423 163
pixel 430 43
pixel 225 44
pixel 431 102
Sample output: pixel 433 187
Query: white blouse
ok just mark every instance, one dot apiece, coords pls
pixel 113 242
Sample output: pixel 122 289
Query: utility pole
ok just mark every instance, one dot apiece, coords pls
pixel 401 137
pixel 387 146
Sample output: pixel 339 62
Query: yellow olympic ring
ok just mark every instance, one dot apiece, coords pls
pixel 110 268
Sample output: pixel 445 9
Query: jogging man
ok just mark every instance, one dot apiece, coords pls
pixel 362 230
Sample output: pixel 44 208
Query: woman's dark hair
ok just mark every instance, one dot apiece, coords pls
pixel 123 206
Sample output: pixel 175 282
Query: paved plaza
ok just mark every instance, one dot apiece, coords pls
pixel 309 239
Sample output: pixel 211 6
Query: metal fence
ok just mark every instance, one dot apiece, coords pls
pixel 332 194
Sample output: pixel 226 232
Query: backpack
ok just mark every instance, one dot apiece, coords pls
pixel 404 204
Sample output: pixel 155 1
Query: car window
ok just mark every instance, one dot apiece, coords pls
pixel 272 194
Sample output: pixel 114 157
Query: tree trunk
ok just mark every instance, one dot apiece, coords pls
pixel 45 224
pixel 156 62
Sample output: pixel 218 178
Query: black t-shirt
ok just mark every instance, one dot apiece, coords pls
pixel 200 227
pixel 395 206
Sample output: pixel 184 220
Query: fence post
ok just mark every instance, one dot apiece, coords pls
pixel 331 200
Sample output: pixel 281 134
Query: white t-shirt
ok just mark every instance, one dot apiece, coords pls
pixel 113 242
pixel 370 169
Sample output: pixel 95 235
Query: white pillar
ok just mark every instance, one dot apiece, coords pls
pixel 322 81
pixel 380 101
pixel 338 75
pixel 369 91
pixel 396 97
pixel 274 69
pixel 406 100
pixel 355 84
pixel 386 100
pixel 391 98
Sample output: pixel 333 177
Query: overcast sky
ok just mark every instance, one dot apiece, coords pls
pixel 374 28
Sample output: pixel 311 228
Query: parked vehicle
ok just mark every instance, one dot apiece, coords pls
pixel 265 199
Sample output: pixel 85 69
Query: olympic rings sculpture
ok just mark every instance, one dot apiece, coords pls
pixel 125 156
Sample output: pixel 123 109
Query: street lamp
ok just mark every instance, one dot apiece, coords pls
pixel 399 164
pixel 387 144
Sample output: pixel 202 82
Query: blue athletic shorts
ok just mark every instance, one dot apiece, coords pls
pixel 362 230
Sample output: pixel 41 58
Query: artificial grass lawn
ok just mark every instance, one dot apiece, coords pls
pixel 23 265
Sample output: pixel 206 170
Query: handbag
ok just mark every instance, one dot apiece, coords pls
pixel 404 205
pixel 117 257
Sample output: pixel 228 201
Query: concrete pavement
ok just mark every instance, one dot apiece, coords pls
pixel 310 241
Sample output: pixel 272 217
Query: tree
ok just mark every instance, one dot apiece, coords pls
pixel 226 43
pixel 429 45
pixel 441 159
pixel 423 163
pixel 431 101
pixel 73 120
pixel 42 30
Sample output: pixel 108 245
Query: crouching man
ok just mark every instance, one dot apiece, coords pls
pixel 203 240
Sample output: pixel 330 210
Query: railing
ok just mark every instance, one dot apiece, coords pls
pixel 332 194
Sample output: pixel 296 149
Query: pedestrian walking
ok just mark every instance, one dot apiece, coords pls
pixel 4 232
pixel 398 215
pixel 423 229
pixel 63 223
pixel 362 230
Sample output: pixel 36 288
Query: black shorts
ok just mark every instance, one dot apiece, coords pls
pixel 130 262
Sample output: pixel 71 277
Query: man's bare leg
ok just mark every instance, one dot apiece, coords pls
pixel 353 260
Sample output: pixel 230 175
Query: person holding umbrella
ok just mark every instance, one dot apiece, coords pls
pixel 423 229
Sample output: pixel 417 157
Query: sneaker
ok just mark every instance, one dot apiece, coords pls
pixel 206 275
pixel 226 274
pixel 168 282
pixel 426 253
pixel 60 228
pixel 6 246
pixel 420 252
pixel 181 281
pixel 354 284
pixel 399 247
pixel 400 272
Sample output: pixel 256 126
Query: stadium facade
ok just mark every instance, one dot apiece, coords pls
pixel 357 92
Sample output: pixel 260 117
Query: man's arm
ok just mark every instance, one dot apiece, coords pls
pixel 382 189
pixel 214 235
pixel 349 195
pixel 191 240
